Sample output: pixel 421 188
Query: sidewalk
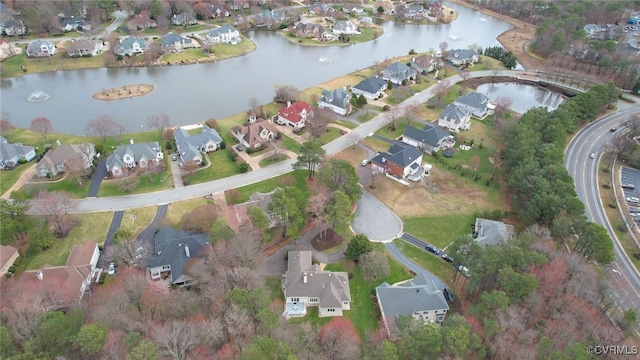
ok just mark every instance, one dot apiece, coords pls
pixel 23 179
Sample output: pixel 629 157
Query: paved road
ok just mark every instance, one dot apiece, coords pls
pixel 625 280
pixel 98 175
pixel 104 260
pixel 375 219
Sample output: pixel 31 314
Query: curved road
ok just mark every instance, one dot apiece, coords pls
pixel 593 138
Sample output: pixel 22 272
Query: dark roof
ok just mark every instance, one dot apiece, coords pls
pixel 417 294
pixel 405 156
pixel 431 134
pixel 174 244
pixel 371 85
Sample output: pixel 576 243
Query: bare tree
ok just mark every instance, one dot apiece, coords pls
pixel 103 126
pixel 464 74
pixel 443 47
pixel 43 126
pixel 285 93
pixel 503 104
pixel 319 121
pixel 124 252
pixel 374 173
pixel 254 104
pixel 5 125
pixel 158 122
pixel 354 138
pixel 394 114
pixel 238 324
pixel 276 151
pixel 176 337
pixel 375 265
pixel 411 113
pixel 442 88
pixel 75 168
pixel 56 205
pixel 243 250
pixel 153 53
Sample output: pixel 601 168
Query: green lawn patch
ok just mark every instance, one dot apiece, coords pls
pixel 270 161
pixel 437 266
pixel 439 231
pixel 221 167
pixel 424 83
pixel 296 179
pixel 9 177
pixel 487 63
pixel 289 144
pixel 143 183
pixel 347 124
pixel 401 125
pixel 14 65
pixel 452 94
pixel 67 184
pixel 331 134
pixel 92 226
pixel 366 116
pixel 376 144
pixel 186 55
pixel 363 314
pixel 225 51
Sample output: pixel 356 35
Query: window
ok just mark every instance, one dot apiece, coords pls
pixel 313 300
pixel 331 310
pixel 295 299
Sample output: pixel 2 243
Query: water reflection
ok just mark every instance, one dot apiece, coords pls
pixel 524 96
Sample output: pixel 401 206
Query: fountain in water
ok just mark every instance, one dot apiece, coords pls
pixel 325 60
pixel 38 96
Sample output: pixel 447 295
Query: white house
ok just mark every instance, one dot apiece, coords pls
pixel 345 27
pixel 304 285
pixel 223 34
pixel 455 118
pixel 134 156
pixel 130 46
pixel 478 104
pixel 295 114
pixel 176 43
pixel 11 154
pixel 398 73
pixel 371 88
pixel 461 57
pixel 41 48
pixel 336 100
pixel 191 147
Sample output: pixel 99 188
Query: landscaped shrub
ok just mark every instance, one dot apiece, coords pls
pixel 243 167
pixel 386 108
pixel 168 145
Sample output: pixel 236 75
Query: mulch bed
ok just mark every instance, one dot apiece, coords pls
pixel 330 240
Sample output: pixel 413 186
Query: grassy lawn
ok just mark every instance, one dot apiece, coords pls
pixel 289 144
pixel 452 95
pixel 424 112
pixel 296 179
pixel 9 177
pixel 92 226
pixel 347 124
pixel 363 314
pixel 142 184
pixel 139 218
pixel 426 260
pixel 221 167
pixel 270 161
pixel 366 116
pixel 331 134
pixel 11 66
pixel 397 95
pixel 68 184
pixel 424 83
pixel 225 51
pixel 439 231
pixel 177 209
pixel 186 55
pixel 487 63
pixel 401 125
pixel 368 34
pixel 376 144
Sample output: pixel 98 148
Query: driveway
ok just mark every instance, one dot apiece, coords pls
pixel 398 255
pixel 104 260
pixel 145 238
pixel 375 219
pixel 176 173
pixel 98 175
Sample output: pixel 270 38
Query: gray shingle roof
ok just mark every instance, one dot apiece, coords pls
pixel 9 151
pixel 473 99
pixel 491 232
pixel 172 243
pixel 221 30
pixel 171 39
pixel 453 113
pixel 414 295
pixel 371 85
pixel 401 70
pixel 337 97
pixel 404 157
pixel 147 150
pixel 431 135
pixel 128 42
pixel 191 145
pixel 462 54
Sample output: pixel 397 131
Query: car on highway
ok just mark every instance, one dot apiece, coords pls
pixel 613 129
pixel 628 186
pixel 112 269
pixel 432 249
pixel 593 155
pixel 447 258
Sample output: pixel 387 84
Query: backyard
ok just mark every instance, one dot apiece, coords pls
pixel 138 183
pixel 220 166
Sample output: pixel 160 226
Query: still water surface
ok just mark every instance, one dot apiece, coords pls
pixel 524 96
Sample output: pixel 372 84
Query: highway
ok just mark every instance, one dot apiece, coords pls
pixel 624 279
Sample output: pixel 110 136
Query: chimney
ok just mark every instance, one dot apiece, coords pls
pixel 186 250
pixel 288 103
pixel 304 278
pixel 39 275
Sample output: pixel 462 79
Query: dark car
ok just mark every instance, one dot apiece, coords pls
pixel 432 249
pixel 239 148
pixel 447 258
pixel 613 129
pixel 448 295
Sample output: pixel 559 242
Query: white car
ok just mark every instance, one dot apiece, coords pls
pixel 593 155
pixel 112 269
pixel 364 162
pixel 633 199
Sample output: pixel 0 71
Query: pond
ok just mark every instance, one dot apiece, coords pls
pixel 524 96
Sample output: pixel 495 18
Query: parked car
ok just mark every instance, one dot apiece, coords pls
pixel 364 162
pixel 239 148
pixel 464 270
pixel 432 249
pixel 448 295
pixel 628 186
pixel 174 157
pixel 633 199
pixel 447 258
pixel 112 269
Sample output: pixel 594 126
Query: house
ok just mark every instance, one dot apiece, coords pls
pixel 218 11
pixel 261 200
pixel 223 34
pixel 295 114
pixel 8 255
pixel 176 43
pixel 398 73
pixel 478 104
pixel 41 48
pixel 11 154
pixel 130 46
pixel 418 298
pixel 191 147
pixel 183 19
pixel 239 5
pixel 56 160
pixel 336 100
pixel 455 118
pixel 461 57
pixel 415 12
pixel 133 156
pixel 72 279
pixel 84 47
pixel 426 63
pixel 270 17
pixel 142 21
pixel 74 23
pixel 371 88
pixel 365 20
pixel 591 30
pixel 309 30
pixel 430 139
pixel 304 284
pixel 345 27
pixel 255 134
pixel 401 161
pixel 12 28
pixel 353 10
pixel 320 9
pixel 491 232
pixel 173 250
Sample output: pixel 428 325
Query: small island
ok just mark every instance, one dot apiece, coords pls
pixel 123 92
